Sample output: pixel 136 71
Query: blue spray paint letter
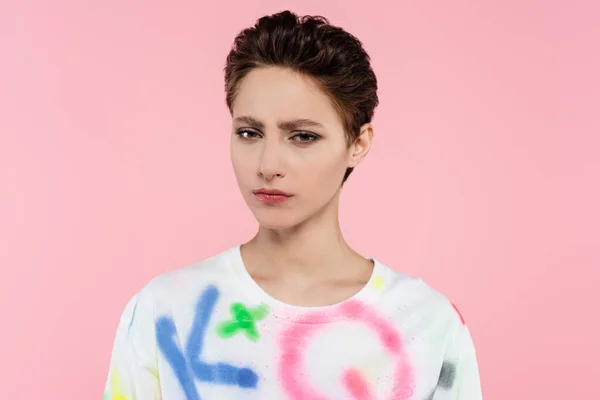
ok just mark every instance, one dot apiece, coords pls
pixel 190 366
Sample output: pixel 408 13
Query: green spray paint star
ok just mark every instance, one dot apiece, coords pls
pixel 244 319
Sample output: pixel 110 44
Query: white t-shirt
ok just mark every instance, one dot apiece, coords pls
pixel 208 331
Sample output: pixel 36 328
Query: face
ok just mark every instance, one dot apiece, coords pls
pixel 288 147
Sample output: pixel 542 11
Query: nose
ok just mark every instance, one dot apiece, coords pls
pixel 271 165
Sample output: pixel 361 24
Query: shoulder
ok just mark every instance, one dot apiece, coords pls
pixel 181 284
pixel 416 298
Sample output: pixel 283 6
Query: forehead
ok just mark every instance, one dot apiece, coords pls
pixel 275 93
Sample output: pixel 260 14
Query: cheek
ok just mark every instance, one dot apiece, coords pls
pixel 242 161
pixel 325 168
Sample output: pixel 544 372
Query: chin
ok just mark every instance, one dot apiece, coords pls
pixel 277 220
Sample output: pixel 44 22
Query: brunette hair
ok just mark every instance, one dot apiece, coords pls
pixel 312 46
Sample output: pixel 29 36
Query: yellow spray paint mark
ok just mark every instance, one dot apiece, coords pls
pixel 116 389
pixel 153 370
pixel 377 282
pixel 377 368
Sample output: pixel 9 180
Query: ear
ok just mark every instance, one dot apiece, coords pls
pixel 361 146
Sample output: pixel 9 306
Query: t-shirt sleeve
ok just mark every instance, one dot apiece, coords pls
pixel 459 378
pixel 468 385
pixel 133 373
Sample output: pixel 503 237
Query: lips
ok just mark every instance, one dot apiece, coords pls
pixel 271 196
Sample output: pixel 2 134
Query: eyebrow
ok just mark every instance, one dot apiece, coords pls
pixel 283 125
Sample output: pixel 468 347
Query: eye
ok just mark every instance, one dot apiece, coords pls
pixel 305 137
pixel 247 133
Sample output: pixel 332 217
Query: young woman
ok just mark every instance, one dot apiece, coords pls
pixel 294 313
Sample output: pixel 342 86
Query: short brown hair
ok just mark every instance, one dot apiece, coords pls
pixel 312 46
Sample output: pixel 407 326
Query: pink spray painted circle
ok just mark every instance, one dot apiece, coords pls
pixel 295 339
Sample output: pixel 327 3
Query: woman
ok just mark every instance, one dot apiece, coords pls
pixel 294 313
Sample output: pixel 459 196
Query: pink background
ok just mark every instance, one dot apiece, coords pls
pixel 484 178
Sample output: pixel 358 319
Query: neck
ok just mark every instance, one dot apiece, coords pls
pixel 316 248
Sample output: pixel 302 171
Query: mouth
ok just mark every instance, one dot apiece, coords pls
pixel 271 196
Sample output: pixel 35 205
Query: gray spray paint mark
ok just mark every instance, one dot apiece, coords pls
pixel 447 375
pixel 446 379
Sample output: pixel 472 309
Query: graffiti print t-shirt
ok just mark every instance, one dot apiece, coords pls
pixel 208 331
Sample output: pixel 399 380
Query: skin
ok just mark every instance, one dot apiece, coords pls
pixel 299 255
